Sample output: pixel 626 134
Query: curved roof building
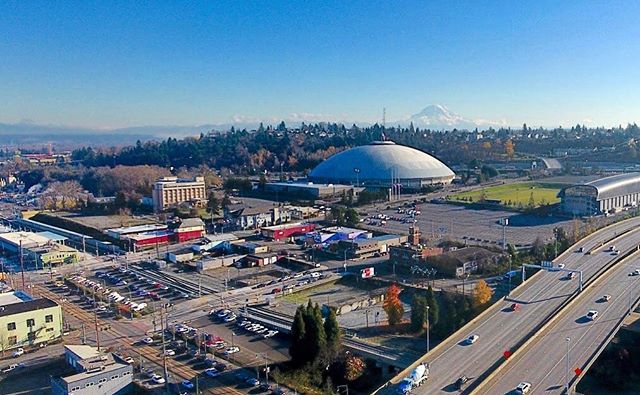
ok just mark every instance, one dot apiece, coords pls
pixel 605 195
pixel 380 162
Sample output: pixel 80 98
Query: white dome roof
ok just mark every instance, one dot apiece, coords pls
pixel 380 161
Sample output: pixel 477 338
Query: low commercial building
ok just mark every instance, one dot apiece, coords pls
pixel 95 373
pixel 336 233
pixel 461 261
pixel 245 216
pixel 12 241
pixel 217 262
pixel 286 231
pixel 54 254
pixel 170 192
pixel 26 322
pixel 246 247
pixel 124 232
pixel 148 240
pixel 603 196
pixel 187 229
pixel 410 254
pixel 310 190
pixel 180 256
pixel 367 248
pixel 261 259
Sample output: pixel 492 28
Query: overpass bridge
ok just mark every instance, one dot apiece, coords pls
pixel 541 298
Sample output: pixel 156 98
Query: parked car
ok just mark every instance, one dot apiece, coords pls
pixel 461 381
pixel 472 339
pixel 212 372
pixel 147 340
pixel 187 384
pixel 18 352
pixel 231 350
pixel 157 379
pixel 169 353
pixel 523 388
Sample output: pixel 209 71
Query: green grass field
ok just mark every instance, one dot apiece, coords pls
pixel 514 194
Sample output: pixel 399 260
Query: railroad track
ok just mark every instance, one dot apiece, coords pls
pixel 177 368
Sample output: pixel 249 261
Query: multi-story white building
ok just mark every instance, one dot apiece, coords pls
pixel 171 191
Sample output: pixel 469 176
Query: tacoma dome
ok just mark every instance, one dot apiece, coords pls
pixel 382 164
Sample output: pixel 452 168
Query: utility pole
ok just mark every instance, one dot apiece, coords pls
pixel 22 264
pixel 164 348
pixel 84 336
pixel 428 345
pixel 95 321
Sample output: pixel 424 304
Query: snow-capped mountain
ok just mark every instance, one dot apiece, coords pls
pixel 437 116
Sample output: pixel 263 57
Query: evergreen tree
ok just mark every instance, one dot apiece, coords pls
pixel 212 204
pixel 434 308
pixel 418 312
pixel 297 349
pixel 332 332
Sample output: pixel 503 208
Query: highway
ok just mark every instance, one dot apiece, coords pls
pixel 543 361
pixel 501 329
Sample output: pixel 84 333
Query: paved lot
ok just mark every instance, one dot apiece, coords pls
pixel 473 226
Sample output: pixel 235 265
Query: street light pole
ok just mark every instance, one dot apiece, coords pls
pixel 566 374
pixel 428 345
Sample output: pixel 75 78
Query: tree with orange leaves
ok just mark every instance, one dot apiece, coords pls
pixel 392 305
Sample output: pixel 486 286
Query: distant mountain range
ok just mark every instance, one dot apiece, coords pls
pixel 435 117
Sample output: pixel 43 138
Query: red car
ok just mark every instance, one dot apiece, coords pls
pixel 515 307
pixel 276 291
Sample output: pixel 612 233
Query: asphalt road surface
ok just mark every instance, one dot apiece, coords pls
pixel 503 329
pixel 543 363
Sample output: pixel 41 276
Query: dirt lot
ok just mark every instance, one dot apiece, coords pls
pixel 102 222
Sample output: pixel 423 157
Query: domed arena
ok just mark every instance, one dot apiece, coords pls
pixel 382 164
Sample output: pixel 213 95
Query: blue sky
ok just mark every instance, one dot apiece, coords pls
pixel 112 64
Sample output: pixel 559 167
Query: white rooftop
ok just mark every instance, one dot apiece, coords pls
pixel 28 239
pixel 7 298
pixel 83 351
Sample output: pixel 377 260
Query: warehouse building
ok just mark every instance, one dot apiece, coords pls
pixel 94 373
pixel 603 196
pixel 309 190
pixel 25 321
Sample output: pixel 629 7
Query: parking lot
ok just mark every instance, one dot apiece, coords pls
pixel 439 221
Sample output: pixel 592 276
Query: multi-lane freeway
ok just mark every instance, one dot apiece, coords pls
pixel 501 329
pixel 543 361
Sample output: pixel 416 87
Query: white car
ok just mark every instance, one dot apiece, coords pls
pixel 270 334
pixel 18 352
pixel 230 318
pixel 231 350
pixel 129 360
pixel 472 339
pixel 147 340
pixel 261 331
pixel 523 388
pixel 157 379
pixel 592 315
pixel 605 298
pixel 560 265
pixel 212 372
pixel 635 273
pixel 223 313
pixel 169 353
